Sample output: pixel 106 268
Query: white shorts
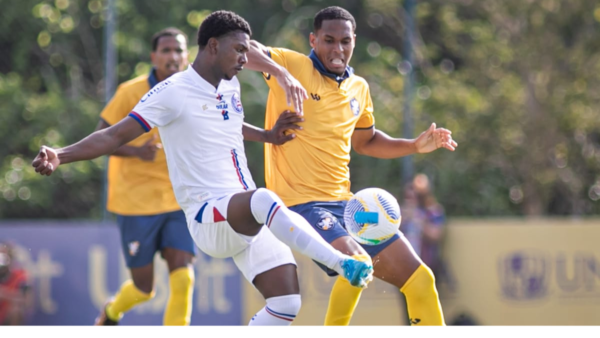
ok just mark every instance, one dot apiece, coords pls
pixel 252 255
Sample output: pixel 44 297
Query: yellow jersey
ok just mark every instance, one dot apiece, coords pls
pixel 136 187
pixel 314 166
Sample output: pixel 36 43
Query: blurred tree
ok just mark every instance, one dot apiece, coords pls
pixel 514 80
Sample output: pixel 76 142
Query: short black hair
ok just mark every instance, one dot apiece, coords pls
pixel 332 13
pixel 220 23
pixel 170 31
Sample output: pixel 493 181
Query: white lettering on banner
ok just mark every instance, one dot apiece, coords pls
pixel 43 271
pixel 210 284
pixel 99 293
pixel 577 276
pixel 527 275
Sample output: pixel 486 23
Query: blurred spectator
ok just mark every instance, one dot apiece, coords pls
pixel 411 225
pixel 432 219
pixel 423 220
pixel 15 291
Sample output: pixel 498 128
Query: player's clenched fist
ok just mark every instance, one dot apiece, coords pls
pixel 46 161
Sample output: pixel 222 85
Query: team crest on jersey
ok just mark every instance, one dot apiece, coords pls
pixel 327 221
pixel 133 248
pixel 157 89
pixel 355 107
pixel 236 103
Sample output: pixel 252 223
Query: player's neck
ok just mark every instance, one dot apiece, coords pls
pixel 206 71
pixel 160 77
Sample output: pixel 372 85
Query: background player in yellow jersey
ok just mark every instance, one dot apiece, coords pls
pixel 311 173
pixel 141 195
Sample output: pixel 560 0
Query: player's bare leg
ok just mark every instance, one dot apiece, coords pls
pixel 143 277
pixel 283 280
pixel 405 263
pixel 349 247
pixel 181 286
pixel 279 287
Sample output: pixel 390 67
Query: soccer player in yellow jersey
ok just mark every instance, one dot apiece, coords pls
pixel 311 173
pixel 141 195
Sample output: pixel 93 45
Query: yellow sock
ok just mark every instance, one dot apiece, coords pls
pixel 127 297
pixel 422 299
pixel 343 300
pixel 179 307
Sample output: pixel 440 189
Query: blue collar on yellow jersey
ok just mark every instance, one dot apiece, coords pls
pixel 152 80
pixel 321 68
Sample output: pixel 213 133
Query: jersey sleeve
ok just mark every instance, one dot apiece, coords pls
pixel 159 107
pixel 117 108
pixel 294 62
pixel 366 119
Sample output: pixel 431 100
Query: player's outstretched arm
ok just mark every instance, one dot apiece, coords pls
pixel 102 142
pixel 277 135
pixel 259 60
pixel 146 152
pixel 375 143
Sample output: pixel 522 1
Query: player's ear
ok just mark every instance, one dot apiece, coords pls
pixel 212 45
pixel 312 39
pixel 152 57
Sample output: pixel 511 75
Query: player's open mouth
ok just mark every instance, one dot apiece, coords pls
pixel 173 67
pixel 239 69
pixel 337 62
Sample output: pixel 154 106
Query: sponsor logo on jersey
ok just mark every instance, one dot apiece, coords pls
pixel 157 89
pixel 222 105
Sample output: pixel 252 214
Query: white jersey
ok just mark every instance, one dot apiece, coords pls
pixel 201 131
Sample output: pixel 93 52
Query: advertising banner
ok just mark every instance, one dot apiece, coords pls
pixel 522 272
pixel 76 266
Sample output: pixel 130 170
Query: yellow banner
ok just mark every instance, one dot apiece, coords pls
pixel 517 272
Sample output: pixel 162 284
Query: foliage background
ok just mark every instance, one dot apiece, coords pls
pixel 516 81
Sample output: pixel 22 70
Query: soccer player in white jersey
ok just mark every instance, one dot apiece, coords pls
pixel 199 116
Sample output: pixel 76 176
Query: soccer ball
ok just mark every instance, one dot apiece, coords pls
pixel 372 216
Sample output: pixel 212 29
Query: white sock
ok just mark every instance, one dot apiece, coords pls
pixel 279 311
pixel 293 230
